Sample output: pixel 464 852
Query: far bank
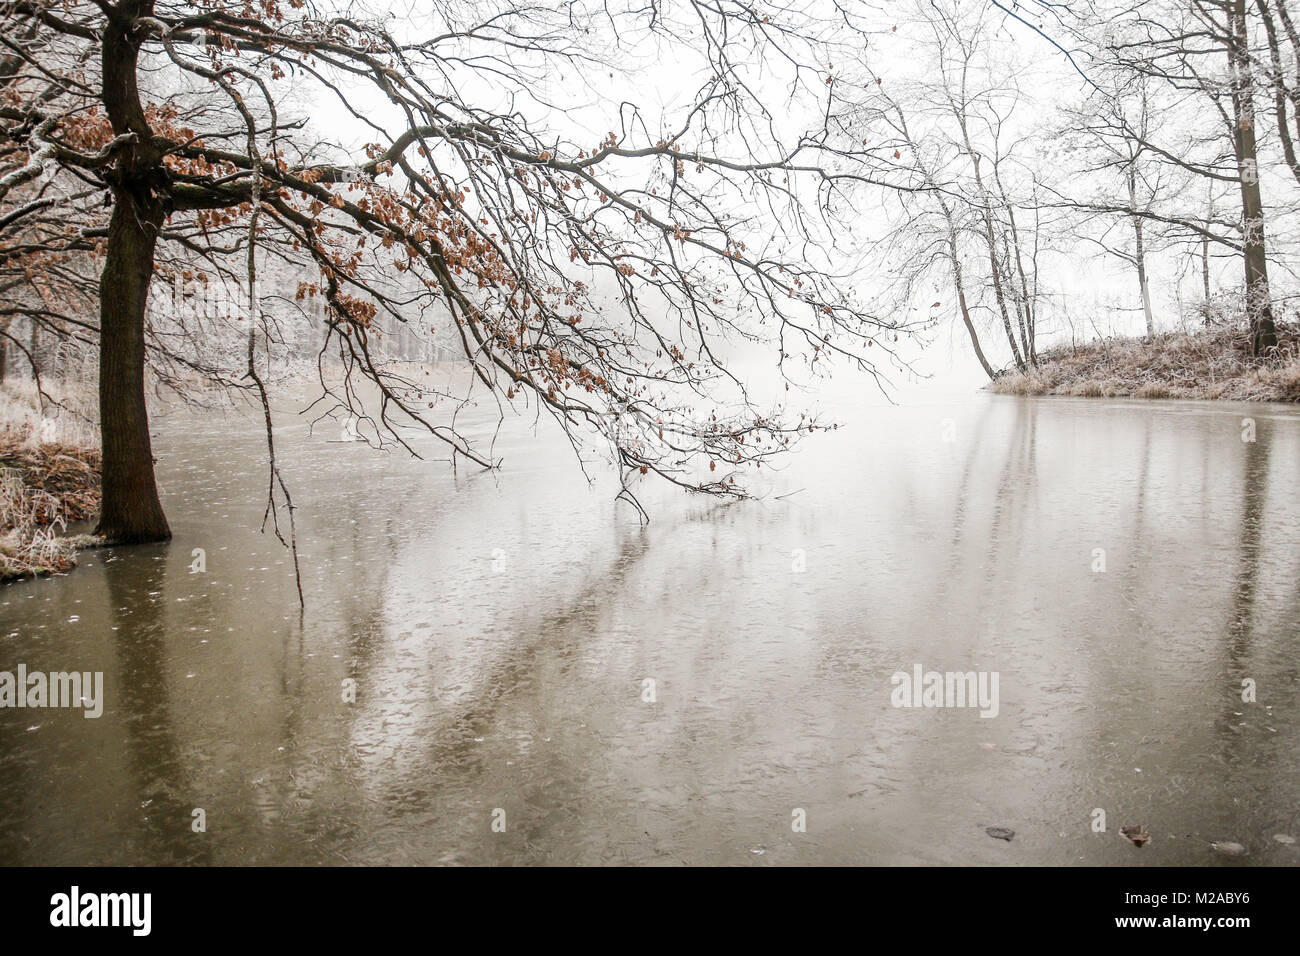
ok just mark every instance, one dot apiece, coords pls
pixel 1211 364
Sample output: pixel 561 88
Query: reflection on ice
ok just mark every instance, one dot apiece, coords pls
pixel 475 643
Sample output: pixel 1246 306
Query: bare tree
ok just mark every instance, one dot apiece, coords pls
pixel 1204 51
pixel 719 221
pixel 962 191
pixel 1107 133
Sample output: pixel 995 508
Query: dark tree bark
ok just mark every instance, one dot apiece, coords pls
pixel 131 512
pixel 1259 307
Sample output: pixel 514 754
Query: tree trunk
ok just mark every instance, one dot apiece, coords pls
pixel 989 238
pixel 131 512
pixel 999 293
pixel 1139 254
pixel 960 285
pixel 1259 307
pixel 995 270
pixel 966 320
pixel 1205 270
pixel 1020 297
pixel 1143 285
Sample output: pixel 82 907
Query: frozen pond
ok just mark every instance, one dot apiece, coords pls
pixel 500 630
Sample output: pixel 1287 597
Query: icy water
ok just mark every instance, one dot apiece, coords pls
pixel 500 629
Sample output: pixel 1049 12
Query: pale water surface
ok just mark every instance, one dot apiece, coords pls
pixel 499 628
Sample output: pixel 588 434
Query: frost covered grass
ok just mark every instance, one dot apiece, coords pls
pixel 49 477
pixel 1211 364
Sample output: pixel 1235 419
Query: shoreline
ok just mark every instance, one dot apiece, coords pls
pixel 1210 365
pixel 44 487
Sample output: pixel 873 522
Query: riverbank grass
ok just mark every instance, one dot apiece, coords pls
pixel 49 478
pixel 1209 364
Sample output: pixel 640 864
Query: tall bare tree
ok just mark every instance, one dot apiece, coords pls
pixel 595 275
pixel 1205 50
